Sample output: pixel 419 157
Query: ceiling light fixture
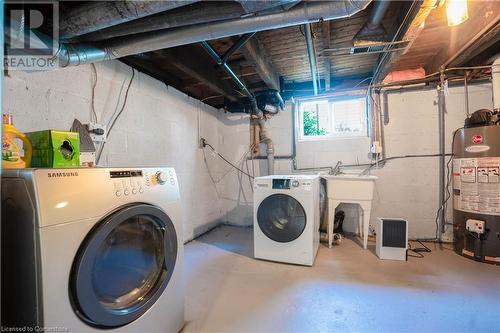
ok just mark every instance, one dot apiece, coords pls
pixel 456 12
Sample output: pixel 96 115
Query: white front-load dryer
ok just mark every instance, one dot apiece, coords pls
pixel 286 218
pixel 87 250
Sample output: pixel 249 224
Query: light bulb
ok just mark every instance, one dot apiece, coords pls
pixel 456 12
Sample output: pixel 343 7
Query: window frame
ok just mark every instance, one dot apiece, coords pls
pixel 331 136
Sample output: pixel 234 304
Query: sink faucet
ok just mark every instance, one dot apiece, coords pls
pixel 336 169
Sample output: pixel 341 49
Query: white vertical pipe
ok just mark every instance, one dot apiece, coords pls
pixel 495 76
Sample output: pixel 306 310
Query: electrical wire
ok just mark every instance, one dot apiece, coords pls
pixel 124 102
pixel 418 250
pixel 243 157
pixel 226 160
pixel 401 157
pixel 113 121
pixel 92 101
pixel 448 181
pixel 210 97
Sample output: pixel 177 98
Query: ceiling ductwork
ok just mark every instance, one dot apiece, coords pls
pixel 96 15
pixel 252 6
pixel 189 15
pixel 179 17
pixel 305 12
pixel 373 31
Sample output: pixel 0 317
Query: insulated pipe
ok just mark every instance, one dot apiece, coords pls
pixel 312 57
pixel 212 11
pixel 307 12
pixel 95 15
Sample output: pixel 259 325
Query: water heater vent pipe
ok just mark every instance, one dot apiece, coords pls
pixel 495 76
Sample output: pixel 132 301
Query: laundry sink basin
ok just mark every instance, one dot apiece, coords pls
pixel 350 187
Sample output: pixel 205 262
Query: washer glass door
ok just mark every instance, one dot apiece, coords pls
pixel 123 266
pixel 281 218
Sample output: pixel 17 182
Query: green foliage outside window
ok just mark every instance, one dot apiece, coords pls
pixel 311 125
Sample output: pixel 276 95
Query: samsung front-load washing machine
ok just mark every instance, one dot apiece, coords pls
pixel 87 250
pixel 286 218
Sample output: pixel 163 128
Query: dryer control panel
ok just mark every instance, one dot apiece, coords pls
pixel 131 182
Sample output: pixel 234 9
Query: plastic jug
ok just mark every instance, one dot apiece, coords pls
pixel 11 151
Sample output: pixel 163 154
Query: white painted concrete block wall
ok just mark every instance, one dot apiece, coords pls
pixel 158 127
pixel 406 188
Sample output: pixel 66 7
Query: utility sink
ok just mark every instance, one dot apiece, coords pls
pixel 350 187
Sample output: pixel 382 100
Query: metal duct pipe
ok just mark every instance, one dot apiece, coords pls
pixel 373 31
pixel 312 57
pixel 307 12
pixel 264 138
pixel 96 15
pixel 377 14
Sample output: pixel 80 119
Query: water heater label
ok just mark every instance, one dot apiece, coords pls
pixel 476 185
pixel 477 149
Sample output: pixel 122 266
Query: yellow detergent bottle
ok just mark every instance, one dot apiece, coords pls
pixel 11 152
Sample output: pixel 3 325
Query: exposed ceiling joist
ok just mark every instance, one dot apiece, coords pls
pixel 254 53
pixel 192 61
pixel 485 42
pixel 480 23
pixel 148 66
pixel 407 27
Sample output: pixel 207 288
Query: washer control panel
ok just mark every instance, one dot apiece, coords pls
pixel 283 183
pixel 136 182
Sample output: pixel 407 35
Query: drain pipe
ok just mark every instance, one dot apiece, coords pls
pixel 256 113
pixel 264 138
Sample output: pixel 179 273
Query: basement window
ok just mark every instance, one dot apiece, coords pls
pixel 332 118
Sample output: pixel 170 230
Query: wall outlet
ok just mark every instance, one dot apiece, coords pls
pixel 202 143
pixel 97 132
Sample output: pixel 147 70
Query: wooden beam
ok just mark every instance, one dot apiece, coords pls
pixel 325 33
pixel 148 66
pixel 482 24
pixel 484 17
pixel 485 42
pixel 191 60
pixel 418 16
pixel 255 54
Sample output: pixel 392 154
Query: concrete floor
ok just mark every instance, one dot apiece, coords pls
pixel 347 290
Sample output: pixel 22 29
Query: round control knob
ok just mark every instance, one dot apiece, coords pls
pixel 161 177
pixel 126 192
pixel 134 191
pixel 295 183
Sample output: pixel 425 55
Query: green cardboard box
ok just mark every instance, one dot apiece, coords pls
pixel 55 149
